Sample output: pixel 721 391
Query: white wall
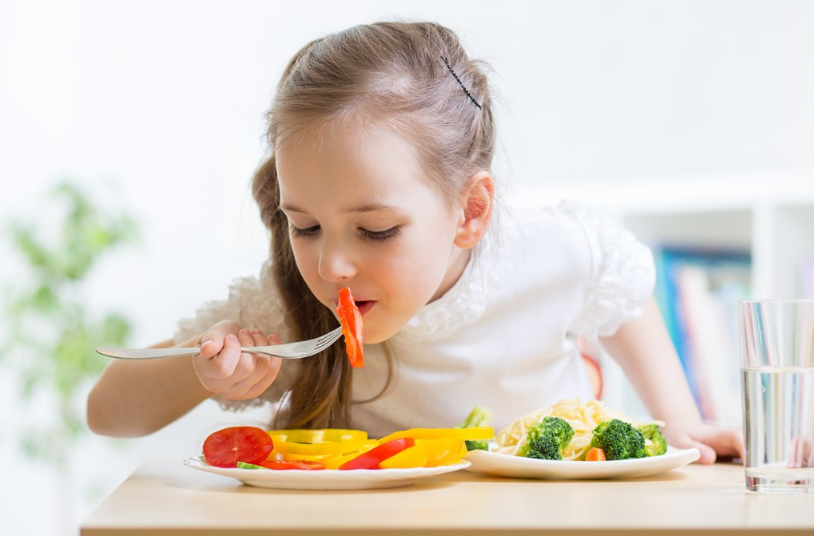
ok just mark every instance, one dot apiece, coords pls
pixel 165 100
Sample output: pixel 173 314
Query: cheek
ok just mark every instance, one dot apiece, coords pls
pixel 423 260
pixel 306 259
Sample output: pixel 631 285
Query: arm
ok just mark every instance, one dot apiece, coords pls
pixel 136 398
pixel 645 352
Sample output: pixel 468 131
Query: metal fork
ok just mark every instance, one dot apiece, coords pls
pixel 291 350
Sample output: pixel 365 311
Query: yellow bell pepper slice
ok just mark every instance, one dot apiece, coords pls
pixel 328 448
pixel 317 436
pixel 477 432
pixel 442 451
pixel 460 455
pixel 310 444
pixel 333 462
pixel 415 456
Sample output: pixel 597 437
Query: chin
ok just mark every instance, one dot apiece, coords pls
pixel 375 335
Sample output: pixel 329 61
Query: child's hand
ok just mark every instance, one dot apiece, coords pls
pixel 226 371
pixel 713 441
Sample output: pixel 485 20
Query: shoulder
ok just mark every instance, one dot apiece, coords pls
pixel 253 302
pixel 545 238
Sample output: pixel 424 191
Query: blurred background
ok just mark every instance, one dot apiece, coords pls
pixel 129 132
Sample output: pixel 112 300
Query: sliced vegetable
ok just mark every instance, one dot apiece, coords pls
pixel 283 465
pixel 443 451
pixel 241 465
pixel 228 446
pixel 477 432
pixel 334 462
pixel 595 455
pixel 318 435
pixel 352 329
pixel 327 448
pixel 415 456
pixel 372 458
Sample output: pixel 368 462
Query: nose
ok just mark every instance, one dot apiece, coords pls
pixel 336 262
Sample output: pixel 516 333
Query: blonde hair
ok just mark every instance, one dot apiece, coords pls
pixel 396 74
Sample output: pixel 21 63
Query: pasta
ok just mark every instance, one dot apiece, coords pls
pixel 583 418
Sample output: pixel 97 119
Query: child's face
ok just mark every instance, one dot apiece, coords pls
pixel 362 214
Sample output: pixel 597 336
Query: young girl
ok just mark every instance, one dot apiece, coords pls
pixel 382 139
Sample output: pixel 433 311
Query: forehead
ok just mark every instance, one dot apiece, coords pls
pixel 342 157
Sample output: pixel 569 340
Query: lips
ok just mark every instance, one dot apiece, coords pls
pixel 364 306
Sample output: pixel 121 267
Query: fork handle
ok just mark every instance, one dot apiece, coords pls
pixel 155 353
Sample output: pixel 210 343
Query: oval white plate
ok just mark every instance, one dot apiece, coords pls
pixel 492 463
pixel 326 478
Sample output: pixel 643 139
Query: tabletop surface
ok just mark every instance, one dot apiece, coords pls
pixel 164 497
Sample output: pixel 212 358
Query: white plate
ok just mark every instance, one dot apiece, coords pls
pixel 492 463
pixel 326 478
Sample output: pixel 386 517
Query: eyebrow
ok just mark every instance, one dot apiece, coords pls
pixel 368 207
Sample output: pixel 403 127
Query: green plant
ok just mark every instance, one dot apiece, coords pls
pixel 51 334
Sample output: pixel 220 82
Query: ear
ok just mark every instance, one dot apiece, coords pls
pixel 477 203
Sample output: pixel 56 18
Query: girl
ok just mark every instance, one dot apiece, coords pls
pixel 379 179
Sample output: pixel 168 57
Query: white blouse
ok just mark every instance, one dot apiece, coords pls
pixel 504 336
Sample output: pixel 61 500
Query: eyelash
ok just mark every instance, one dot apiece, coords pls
pixel 296 232
pixel 381 235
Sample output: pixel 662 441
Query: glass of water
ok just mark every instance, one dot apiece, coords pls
pixel 777 371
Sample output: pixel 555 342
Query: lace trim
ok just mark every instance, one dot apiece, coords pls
pixel 253 302
pixel 622 275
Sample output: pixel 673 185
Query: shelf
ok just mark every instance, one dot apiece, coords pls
pixel 767 218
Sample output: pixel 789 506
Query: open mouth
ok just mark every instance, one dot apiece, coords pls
pixel 364 306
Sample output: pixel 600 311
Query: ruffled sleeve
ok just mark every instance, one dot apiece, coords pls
pixel 622 274
pixel 254 303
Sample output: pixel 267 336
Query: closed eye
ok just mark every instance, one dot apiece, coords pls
pixel 380 235
pixel 296 232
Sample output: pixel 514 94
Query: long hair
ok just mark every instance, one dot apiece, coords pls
pixel 413 77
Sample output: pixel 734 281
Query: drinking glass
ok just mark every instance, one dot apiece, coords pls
pixel 777 372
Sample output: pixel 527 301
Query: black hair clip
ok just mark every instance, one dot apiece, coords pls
pixel 468 94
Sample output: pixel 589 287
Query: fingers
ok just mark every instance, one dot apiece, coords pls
pixel 223 364
pixel 215 338
pixel 801 452
pixel 226 371
pixel 713 442
pixel 708 454
pixel 727 442
pixel 265 369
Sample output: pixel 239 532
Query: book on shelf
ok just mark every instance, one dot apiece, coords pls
pixel 807 273
pixel 698 290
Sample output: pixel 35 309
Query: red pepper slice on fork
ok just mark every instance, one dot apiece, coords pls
pixel 352 328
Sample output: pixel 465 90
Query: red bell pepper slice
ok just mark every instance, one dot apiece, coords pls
pixel 352 328
pixel 228 446
pixel 282 465
pixel 372 458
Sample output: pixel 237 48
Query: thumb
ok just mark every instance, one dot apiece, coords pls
pixel 708 455
pixel 211 347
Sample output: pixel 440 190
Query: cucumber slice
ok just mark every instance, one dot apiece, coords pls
pixel 243 465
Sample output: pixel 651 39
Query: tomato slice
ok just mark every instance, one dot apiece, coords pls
pixel 284 465
pixel 228 446
pixel 352 329
pixel 372 458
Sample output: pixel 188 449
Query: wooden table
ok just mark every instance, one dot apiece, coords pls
pixel 167 498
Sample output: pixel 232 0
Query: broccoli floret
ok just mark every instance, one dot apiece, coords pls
pixel 619 439
pixel 479 416
pixel 654 443
pixel 546 439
